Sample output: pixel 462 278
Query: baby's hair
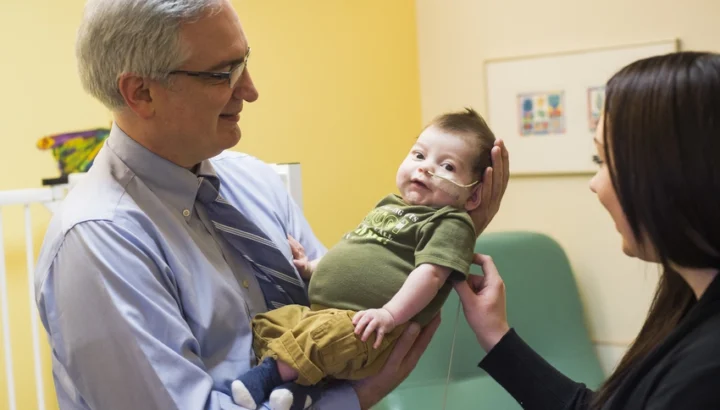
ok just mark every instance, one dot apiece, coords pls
pixel 470 124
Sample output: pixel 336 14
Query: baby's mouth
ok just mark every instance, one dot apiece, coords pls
pixel 419 184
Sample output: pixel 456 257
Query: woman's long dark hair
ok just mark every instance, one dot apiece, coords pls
pixel 662 146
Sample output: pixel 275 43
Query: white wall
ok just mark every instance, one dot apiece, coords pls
pixel 456 36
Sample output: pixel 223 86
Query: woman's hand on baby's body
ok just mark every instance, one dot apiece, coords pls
pixel 373 320
pixel 300 259
pixel 483 302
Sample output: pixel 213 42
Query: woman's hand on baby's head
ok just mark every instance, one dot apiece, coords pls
pixel 492 189
pixel 300 259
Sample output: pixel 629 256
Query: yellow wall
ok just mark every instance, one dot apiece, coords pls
pixel 455 38
pixel 339 93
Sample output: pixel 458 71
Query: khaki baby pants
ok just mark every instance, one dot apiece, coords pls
pixel 319 342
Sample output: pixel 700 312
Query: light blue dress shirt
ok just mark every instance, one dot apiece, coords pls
pixel 145 305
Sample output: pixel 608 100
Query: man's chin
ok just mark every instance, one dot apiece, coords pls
pixel 232 138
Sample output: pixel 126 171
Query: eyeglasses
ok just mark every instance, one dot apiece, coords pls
pixel 231 76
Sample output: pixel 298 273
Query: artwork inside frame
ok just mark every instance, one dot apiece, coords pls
pixel 595 104
pixel 546 107
pixel 541 113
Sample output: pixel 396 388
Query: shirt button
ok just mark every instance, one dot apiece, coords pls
pixel 186 212
pixel 245 284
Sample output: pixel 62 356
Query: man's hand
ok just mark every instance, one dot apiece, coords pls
pixel 494 183
pixel 368 321
pixel 304 266
pixel 405 355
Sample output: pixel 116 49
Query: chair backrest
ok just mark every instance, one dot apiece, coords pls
pixel 543 306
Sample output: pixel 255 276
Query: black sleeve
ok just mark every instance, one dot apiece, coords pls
pixel 530 379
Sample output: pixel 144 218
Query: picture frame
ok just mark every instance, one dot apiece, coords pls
pixel 546 107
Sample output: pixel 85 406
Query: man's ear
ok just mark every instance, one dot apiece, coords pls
pixel 136 93
pixel 474 199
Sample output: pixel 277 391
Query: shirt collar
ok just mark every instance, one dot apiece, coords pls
pixel 206 170
pixel 173 184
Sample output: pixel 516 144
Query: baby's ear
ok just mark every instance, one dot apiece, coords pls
pixel 474 199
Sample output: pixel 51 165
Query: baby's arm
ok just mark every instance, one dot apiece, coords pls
pixel 300 260
pixel 419 289
pixel 416 293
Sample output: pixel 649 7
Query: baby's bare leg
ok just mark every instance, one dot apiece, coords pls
pixel 287 373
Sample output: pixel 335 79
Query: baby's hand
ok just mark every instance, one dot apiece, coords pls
pixel 368 321
pixel 300 259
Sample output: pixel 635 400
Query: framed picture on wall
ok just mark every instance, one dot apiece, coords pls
pixel 547 107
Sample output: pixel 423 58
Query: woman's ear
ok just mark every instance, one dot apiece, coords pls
pixel 474 199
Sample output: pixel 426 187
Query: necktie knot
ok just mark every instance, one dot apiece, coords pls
pixel 207 192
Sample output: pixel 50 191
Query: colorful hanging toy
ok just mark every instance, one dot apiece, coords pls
pixel 74 151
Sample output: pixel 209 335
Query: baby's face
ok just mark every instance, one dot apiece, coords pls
pixel 443 154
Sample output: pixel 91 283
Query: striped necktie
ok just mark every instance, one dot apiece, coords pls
pixel 277 277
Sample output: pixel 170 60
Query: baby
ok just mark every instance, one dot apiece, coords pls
pixel 397 266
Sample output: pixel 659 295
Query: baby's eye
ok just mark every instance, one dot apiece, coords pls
pixel 418 155
pixel 596 159
pixel 449 167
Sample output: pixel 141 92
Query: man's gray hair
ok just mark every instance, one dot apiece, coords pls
pixel 133 36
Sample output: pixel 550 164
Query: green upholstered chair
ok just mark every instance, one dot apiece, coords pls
pixel 543 306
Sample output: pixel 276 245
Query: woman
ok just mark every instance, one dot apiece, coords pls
pixel 659 178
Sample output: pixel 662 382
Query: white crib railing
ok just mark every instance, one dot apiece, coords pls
pixel 51 198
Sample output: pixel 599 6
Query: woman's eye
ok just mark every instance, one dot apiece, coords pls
pixel 449 167
pixel 596 159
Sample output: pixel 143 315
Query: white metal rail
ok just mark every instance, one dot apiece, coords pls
pixel 24 197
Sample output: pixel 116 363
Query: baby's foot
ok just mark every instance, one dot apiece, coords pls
pixel 292 396
pixel 253 387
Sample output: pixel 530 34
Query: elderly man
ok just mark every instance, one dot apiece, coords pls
pixel 151 272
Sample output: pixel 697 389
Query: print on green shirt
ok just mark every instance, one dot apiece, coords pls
pixel 371 263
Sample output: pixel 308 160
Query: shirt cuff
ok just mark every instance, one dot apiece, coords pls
pixel 507 346
pixel 339 397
